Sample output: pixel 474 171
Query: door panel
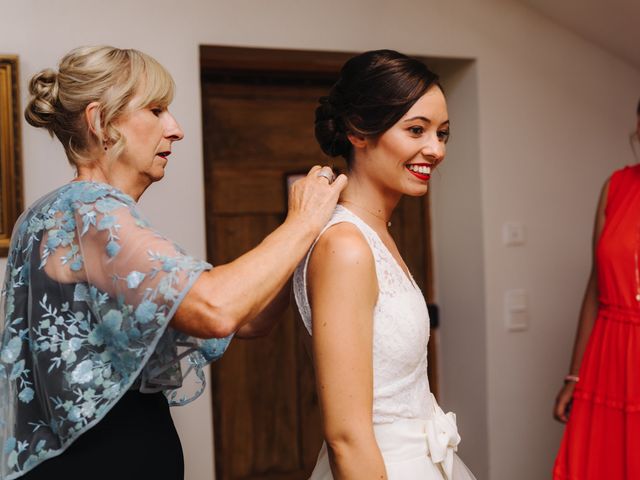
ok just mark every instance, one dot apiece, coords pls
pixel 266 412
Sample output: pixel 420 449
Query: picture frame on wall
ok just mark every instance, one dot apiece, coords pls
pixel 10 150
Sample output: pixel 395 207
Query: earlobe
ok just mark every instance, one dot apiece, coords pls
pixel 358 141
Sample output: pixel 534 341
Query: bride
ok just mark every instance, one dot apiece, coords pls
pixel 366 317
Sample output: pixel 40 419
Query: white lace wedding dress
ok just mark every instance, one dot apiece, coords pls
pixel 417 439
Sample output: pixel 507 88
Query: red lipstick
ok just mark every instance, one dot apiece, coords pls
pixel 421 176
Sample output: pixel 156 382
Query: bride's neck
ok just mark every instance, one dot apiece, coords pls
pixel 369 200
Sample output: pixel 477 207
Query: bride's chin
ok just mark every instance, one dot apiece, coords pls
pixel 416 192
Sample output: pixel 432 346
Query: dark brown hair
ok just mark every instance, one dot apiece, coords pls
pixel 374 90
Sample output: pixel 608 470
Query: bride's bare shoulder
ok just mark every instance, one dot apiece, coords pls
pixel 342 245
pixel 342 274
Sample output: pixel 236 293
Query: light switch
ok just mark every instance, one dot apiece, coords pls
pixel 516 304
pixel 513 234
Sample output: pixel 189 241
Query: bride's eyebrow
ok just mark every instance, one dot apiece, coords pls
pixel 413 119
pixel 426 120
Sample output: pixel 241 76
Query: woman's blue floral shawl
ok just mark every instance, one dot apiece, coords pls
pixel 89 292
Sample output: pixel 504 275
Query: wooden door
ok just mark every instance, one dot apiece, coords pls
pixel 258 128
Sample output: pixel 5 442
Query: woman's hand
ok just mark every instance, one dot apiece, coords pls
pixel 313 198
pixel 562 402
pixel 224 299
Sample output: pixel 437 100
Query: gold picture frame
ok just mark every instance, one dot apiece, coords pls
pixel 10 151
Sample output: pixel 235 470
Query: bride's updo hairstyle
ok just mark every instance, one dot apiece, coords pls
pixel 107 75
pixel 374 90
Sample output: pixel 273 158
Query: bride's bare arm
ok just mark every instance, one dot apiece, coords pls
pixel 343 290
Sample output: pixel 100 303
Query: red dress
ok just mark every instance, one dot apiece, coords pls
pixel 602 438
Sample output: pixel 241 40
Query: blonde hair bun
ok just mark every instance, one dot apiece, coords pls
pixel 43 90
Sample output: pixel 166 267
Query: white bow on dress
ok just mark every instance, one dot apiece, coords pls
pixel 442 439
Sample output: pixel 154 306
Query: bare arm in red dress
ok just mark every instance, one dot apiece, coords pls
pixel 588 314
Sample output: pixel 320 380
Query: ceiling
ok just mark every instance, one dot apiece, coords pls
pixel 612 24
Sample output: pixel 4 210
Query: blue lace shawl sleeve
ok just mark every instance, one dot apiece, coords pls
pixel 89 291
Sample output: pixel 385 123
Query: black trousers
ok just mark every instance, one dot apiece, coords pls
pixel 136 440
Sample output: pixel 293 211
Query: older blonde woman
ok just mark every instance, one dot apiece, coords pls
pixel 99 308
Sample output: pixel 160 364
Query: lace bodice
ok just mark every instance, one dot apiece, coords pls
pixel 400 331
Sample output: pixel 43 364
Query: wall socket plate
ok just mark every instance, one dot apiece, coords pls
pixel 516 306
pixel 513 234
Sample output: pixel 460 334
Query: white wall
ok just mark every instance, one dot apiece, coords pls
pixel 548 124
pixel 554 119
pixel 459 265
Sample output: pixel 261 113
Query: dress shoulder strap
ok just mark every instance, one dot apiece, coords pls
pixel 340 215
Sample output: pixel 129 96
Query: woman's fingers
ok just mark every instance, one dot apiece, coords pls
pixel 314 197
pixel 325 174
pixel 339 183
pixel 559 413
pixel 313 170
pixel 562 401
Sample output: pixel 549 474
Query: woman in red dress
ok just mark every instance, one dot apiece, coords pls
pixel 600 400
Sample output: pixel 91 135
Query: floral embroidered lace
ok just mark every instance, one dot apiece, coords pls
pixel 89 292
